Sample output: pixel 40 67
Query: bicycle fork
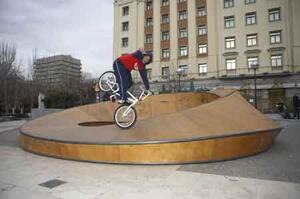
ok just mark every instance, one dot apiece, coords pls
pixel 133 100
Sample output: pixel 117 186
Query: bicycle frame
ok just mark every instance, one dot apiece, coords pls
pixel 132 99
pixel 111 85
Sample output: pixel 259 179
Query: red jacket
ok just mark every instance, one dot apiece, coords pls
pixel 130 60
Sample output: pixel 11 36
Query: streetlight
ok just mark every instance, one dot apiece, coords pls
pixel 254 66
pixel 180 72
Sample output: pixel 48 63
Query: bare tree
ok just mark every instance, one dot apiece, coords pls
pixel 87 93
pixel 31 64
pixel 32 87
pixel 7 69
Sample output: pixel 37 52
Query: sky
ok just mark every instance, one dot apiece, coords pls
pixel 81 28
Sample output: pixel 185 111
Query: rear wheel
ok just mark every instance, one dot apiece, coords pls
pixel 125 116
pixel 106 81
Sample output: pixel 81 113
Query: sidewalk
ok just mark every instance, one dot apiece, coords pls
pixel 9 125
pixel 21 174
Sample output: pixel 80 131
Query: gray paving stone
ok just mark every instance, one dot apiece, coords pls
pixel 281 162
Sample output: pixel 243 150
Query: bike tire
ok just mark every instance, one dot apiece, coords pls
pixel 119 111
pixel 102 87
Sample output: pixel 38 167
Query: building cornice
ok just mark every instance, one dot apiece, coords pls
pixel 230 54
pixel 254 51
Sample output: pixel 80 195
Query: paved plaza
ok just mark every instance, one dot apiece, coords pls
pixel 273 174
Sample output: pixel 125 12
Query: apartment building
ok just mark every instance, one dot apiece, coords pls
pixel 60 71
pixel 211 38
pixel 258 32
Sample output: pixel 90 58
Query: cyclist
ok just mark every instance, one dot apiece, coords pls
pixel 125 64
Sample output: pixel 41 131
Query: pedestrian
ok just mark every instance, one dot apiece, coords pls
pixel 97 91
pixel 296 104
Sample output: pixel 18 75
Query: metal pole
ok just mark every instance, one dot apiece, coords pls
pixel 255 94
pixel 179 84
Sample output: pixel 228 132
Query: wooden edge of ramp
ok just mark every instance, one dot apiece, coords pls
pixel 193 151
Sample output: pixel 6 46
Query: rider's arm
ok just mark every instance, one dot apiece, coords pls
pixel 143 74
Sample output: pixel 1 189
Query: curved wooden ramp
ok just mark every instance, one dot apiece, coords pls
pixel 171 129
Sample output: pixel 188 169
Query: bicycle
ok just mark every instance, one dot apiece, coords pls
pixel 125 115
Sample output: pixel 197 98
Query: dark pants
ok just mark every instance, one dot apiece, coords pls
pixel 296 112
pixel 124 79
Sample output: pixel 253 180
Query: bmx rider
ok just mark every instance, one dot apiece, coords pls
pixel 125 64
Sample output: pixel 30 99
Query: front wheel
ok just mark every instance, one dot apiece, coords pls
pixel 107 81
pixel 125 116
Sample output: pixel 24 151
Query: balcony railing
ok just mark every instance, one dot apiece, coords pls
pixel 221 74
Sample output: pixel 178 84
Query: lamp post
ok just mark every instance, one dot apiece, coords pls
pixel 255 67
pixel 180 72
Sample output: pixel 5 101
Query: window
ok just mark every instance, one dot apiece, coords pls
pixel 275 37
pixel 125 10
pixel 149 5
pixel 165 72
pixel 252 61
pixel 182 15
pixel 251 18
pixel 125 26
pixel 276 61
pixel 229 42
pixel 164 2
pixel 251 40
pixel 229 22
pixel 274 14
pixel 149 73
pixel 165 53
pixel 202 49
pixel 184 67
pixel 202 30
pixel 165 36
pixel 149 38
pixel 250 1
pixel 183 51
pixel 125 42
pixel 202 69
pixel 149 22
pixel 230 64
pixel 183 33
pixel 228 3
pixel 201 11
pixel 165 19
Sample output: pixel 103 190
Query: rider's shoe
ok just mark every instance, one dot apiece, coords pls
pixel 125 102
pixel 121 101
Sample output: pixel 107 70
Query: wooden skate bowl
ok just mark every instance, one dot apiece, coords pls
pixel 171 129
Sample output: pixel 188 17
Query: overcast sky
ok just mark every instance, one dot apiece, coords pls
pixel 81 28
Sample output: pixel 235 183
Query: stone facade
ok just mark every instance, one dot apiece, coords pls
pixel 147 24
pixel 222 40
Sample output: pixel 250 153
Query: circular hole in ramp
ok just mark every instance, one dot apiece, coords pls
pixel 96 123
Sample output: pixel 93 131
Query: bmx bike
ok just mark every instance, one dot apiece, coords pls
pixel 125 115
